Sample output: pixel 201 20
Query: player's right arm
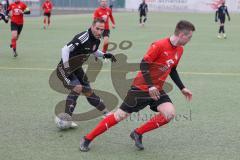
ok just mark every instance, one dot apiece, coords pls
pixel 148 60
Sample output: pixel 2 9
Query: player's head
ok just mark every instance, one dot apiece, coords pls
pixel 143 1
pixel 97 28
pixel 103 3
pixel 184 31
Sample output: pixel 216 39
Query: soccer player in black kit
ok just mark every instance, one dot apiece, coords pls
pixel 221 14
pixel 2 14
pixel 143 9
pixel 70 70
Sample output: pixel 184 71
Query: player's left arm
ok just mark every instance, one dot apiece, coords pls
pixel 216 16
pixel 176 79
pixel 228 14
pixel 146 8
pixel 112 19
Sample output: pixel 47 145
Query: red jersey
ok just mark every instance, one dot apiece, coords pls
pixel 47 6
pixel 162 57
pixel 17 9
pixel 105 14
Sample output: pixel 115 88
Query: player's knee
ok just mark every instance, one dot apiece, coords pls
pixel 78 89
pixel 120 115
pixel 168 110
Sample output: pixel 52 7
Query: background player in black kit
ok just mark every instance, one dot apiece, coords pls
pixel 2 14
pixel 221 14
pixel 143 9
pixel 70 70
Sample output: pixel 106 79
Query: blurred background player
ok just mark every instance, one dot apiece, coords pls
pixel 16 11
pixel 160 61
pixel 47 9
pixel 105 13
pixel 143 9
pixel 221 14
pixel 2 14
pixel 70 70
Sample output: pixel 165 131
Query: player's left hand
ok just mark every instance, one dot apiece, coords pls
pixel 113 26
pixel 110 56
pixel 187 93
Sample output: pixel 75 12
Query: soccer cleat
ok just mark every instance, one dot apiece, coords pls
pixel 10 45
pixel 224 36
pixel 84 144
pixel 219 36
pixel 73 125
pixel 138 140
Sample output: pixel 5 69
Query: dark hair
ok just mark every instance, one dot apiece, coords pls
pixel 184 26
pixel 97 20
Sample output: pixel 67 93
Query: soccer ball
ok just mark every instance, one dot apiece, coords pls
pixel 63 121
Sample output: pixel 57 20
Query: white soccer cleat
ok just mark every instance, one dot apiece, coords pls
pixel 219 36
pixel 73 125
pixel 224 36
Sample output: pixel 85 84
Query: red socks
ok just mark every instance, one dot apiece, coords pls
pixel 102 126
pixel 105 48
pixel 14 43
pixel 153 123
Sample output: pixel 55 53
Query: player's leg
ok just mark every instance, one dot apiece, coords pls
pixel 145 18
pixel 223 29
pixel 166 112
pixel 102 127
pixel 140 19
pixel 49 19
pixel 45 21
pixel 15 31
pixel 129 105
pixel 105 35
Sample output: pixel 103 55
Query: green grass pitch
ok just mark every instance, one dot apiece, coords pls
pixel 206 128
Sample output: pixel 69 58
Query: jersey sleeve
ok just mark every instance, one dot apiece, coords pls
pixel 111 17
pixel 95 14
pixel 152 53
pixel 24 6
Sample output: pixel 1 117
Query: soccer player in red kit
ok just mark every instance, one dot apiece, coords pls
pixel 16 11
pixel 160 61
pixel 47 9
pixel 105 13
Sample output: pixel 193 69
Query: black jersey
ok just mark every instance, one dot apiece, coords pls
pixel 222 11
pixel 143 8
pixel 81 47
pixel 3 17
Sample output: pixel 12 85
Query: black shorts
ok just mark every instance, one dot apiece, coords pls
pixel 143 14
pixel 78 77
pixel 137 99
pixel 222 19
pixel 16 27
pixel 47 14
pixel 106 33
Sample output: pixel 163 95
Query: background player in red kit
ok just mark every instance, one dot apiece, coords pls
pixel 16 11
pixel 47 9
pixel 160 61
pixel 104 12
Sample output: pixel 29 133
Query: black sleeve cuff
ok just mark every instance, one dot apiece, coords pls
pixel 176 79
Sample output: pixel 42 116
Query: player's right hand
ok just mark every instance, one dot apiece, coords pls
pixel 154 93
